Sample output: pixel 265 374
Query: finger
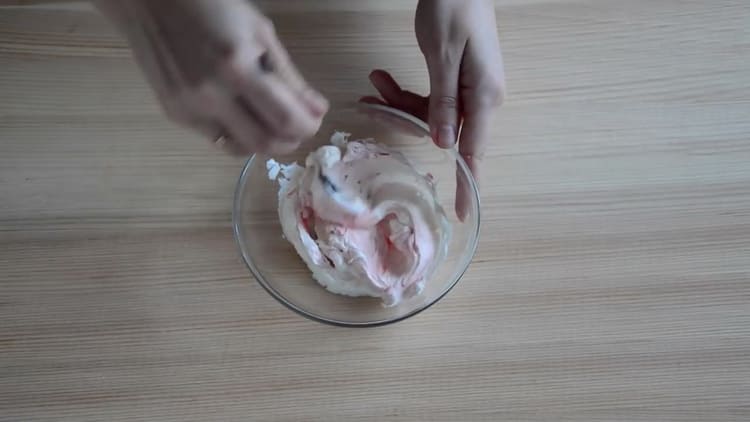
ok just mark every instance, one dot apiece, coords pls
pixel 228 145
pixel 443 108
pixel 213 132
pixel 219 138
pixel 475 134
pixel 242 130
pixel 463 197
pixel 241 127
pixel 282 112
pixel 315 102
pixel 394 96
pixel 471 147
pixel 386 85
pixel 201 113
pixel 282 65
pixel 269 97
pixel 236 121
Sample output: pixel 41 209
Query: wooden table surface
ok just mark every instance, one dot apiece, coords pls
pixel 612 281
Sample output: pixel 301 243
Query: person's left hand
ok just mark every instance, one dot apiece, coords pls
pixel 467 81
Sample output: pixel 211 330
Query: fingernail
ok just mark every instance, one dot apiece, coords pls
pixel 446 136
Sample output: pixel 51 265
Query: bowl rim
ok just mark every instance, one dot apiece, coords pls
pixel 250 263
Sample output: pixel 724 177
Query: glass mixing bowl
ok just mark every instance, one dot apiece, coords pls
pixel 277 267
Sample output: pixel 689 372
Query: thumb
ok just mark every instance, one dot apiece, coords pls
pixel 443 110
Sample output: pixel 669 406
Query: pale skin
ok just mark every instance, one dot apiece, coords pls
pixel 218 67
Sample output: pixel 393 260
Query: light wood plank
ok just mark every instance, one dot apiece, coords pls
pixel 612 280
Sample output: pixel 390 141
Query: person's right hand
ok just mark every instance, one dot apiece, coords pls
pixel 467 81
pixel 218 67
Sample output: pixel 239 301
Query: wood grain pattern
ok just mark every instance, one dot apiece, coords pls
pixel 612 280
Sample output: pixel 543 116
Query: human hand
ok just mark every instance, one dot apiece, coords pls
pixel 218 67
pixel 467 82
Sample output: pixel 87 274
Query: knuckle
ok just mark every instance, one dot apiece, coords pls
pixel 446 101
